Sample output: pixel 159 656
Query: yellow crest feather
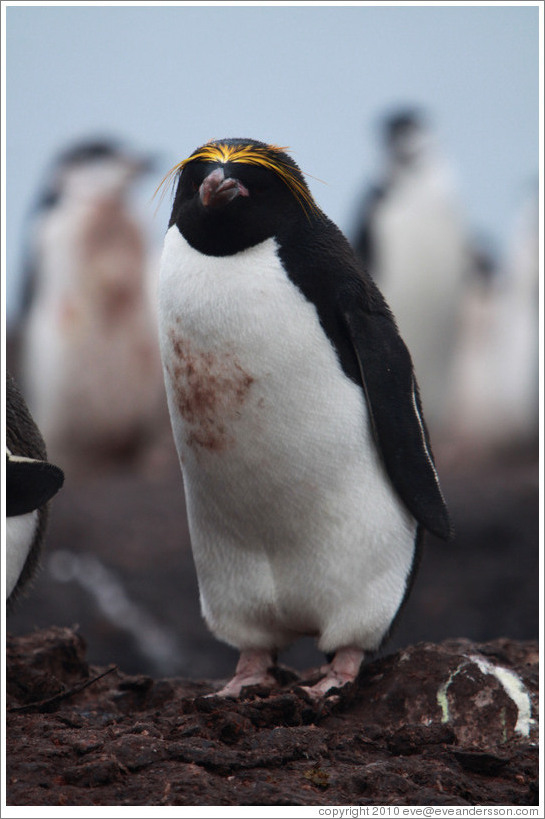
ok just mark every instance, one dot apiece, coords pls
pixel 267 156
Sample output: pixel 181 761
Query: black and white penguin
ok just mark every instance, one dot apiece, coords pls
pixel 496 374
pixel 90 364
pixel 411 236
pixel 307 467
pixel 517 327
pixel 30 483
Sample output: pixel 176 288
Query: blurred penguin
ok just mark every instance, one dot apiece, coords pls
pixel 496 374
pixel 411 238
pixel 90 362
pixel 30 483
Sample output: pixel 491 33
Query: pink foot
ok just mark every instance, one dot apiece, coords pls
pixel 252 669
pixel 343 670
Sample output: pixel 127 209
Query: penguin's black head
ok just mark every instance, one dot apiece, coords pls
pixel 89 151
pixel 232 194
pixel 405 135
pixel 92 168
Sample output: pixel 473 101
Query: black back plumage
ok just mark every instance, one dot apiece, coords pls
pixel 22 435
pixel 360 326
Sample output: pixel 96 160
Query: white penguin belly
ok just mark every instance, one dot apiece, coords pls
pixel 92 374
pixel 294 524
pixel 20 531
pixel 422 259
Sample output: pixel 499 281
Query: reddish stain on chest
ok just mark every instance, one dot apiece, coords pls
pixel 210 389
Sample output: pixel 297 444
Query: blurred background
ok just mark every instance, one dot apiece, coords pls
pixel 418 128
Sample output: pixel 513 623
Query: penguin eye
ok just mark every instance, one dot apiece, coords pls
pixel 195 186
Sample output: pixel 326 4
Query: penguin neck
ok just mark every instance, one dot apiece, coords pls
pixel 426 170
pixel 302 230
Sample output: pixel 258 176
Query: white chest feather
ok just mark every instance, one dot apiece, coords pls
pixel 294 525
pixel 91 365
pixel 422 261
pixel 20 531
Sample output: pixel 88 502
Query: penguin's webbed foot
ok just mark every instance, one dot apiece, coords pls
pixel 342 670
pixel 254 668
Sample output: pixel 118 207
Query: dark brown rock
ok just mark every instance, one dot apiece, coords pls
pixel 431 725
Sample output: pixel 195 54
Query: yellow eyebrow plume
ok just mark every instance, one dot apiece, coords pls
pixel 268 156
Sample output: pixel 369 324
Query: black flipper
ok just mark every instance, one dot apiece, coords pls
pixel 29 484
pixel 393 401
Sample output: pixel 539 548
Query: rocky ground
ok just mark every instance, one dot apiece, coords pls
pixel 448 724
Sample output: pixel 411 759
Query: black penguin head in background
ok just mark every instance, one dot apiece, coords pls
pixel 89 159
pixel 232 194
pixel 406 135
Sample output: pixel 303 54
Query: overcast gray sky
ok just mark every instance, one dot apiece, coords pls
pixel 166 78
